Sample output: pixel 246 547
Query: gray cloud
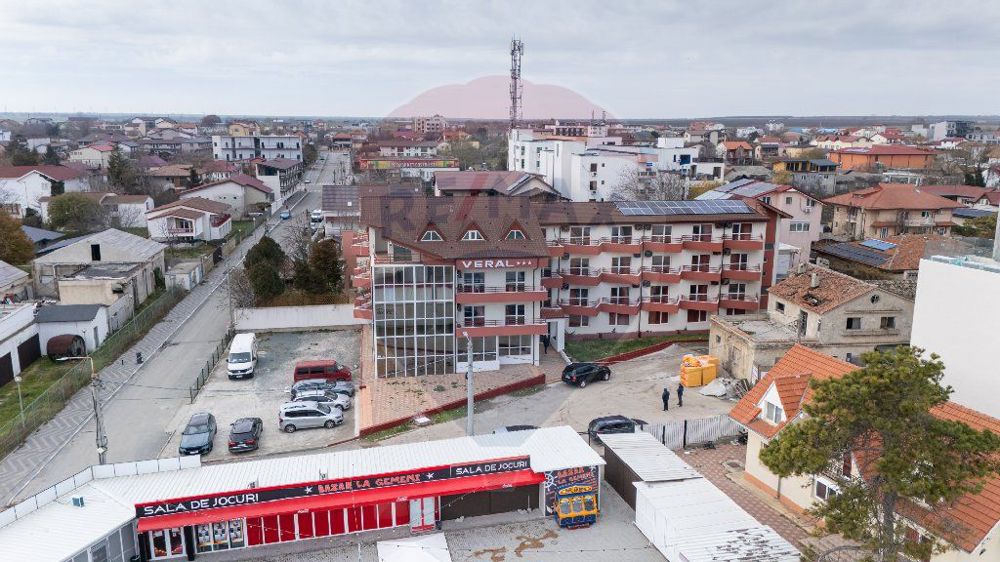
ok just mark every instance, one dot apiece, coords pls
pixel 638 58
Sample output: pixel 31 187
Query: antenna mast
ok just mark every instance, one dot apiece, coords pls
pixel 516 88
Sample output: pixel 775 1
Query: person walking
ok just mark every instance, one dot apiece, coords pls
pixel 680 395
pixel 545 344
pixel 666 398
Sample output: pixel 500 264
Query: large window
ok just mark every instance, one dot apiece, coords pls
pixel 474 315
pixel 222 535
pixel 798 226
pixel 166 543
pixel 579 297
pixel 773 413
pixel 579 266
pixel 697 316
pixel 702 232
pixel 579 321
pixel 661 233
pixel 742 231
pixel 473 282
pixel 657 317
pixel 621 264
pixel 515 282
pixel 483 349
pixel 514 345
pixel 853 323
pixel 513 314
pixel 738 261
pixel 824 490
pixel 579 235
pixel 618 319
pixel 619 295
pixel 414 319
pixel 621 234
pixel 659 263
pixel 659 293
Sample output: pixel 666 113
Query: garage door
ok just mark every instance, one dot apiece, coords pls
pixel 6 370
pixel 485 503
pixel 28 351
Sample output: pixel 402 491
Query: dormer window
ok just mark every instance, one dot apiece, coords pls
pixel 773 413
pixel 431 236
pixel 515 234
pixel 472 234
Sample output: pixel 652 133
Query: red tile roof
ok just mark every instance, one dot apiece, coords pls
pixel 498 181
pixel 733 145
pixel 992 197
pixel 833 289
pixel 241 179
pixel 887 150
pixel 198 203
pixel 52 171
pixel 893 196
pixel 971 191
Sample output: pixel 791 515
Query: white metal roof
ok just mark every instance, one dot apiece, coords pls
pixel 142 248
pixel 424 548
pixel 648 458
pixel 754 544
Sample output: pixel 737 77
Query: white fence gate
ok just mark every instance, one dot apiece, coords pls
pixel 680 434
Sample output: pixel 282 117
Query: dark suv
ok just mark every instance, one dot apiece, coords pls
pixel 244 434
pixel 610 424
pixel 582 374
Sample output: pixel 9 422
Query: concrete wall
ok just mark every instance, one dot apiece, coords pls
pixel 955 316
pixel 794 492
pixel 85 329
pixel 292 318
pixel 17 327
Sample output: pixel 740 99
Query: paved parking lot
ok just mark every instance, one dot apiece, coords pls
pixel 262 395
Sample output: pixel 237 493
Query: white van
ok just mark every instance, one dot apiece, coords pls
pixel 242 356
pixel 316 215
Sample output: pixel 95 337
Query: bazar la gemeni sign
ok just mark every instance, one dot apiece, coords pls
pixel 251 497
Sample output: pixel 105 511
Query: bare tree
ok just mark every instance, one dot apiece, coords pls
pixel 634 185
pixel 128 216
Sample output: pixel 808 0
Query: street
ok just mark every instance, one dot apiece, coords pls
pixel 138 419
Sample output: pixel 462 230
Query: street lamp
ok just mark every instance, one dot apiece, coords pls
pixel 101 439
pixel 20 401
pixel 469 407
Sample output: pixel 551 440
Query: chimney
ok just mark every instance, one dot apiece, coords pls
pixel 802 268
pixel 814 281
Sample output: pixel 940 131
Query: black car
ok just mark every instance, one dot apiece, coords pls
pixel 244 434
pixel 582 374
pixel 610 424
pixel 340 387
pixel 198 434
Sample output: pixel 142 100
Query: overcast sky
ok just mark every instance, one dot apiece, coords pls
pixel 636 58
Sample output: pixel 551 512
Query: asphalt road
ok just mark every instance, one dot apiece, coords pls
pixel 138 419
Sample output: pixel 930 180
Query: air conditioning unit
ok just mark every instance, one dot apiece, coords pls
pixel 646 283
pixel 725 281
pixel 636 255
pixel 565 255
pixel 807 210
pixel 649 253
pixel 565 286
pixel 726 251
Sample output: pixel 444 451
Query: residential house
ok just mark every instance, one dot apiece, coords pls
pixel 342 204
pixel 796 233
pixel 818 175
pixel 235 148
pixel 971 524
pixel 89 321
pixel 40 237
pixel 171 176
pixel 493 183
pixel 15 283
pixel 243 129
pixel 21 187
pixel 19 345
pixel 840 142
pixel 122 211
pixel 189 219
pixel 218 170
pixel 967 195
pixel 881 157
pixel 195 144
pixel 829 311
pixel 282 175
pixel 895 257
pixel 139 126
pixel 961 216
pixel 989 201
pixel 242 194
pixel 433 124
pixel 166 148
pixel 737 153
pixel 889 209
pixel 110 247
pixel 93 156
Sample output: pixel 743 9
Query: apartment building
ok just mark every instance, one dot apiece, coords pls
pixel 438 274
pixel 407 148
pixel 247 147
pixel 433 124
pixel 890 209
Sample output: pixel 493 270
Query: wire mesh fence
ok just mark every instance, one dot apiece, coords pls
pixel 206 371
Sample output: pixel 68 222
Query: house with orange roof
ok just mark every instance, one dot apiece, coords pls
pixel 94 156
pixel 970 524
pixel 737 153
pixel 890 209
pixel 883 157
pixel 186 220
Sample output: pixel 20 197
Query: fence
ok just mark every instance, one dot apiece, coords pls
pixel 47 404
pixel 678 435
pixel 295 318
pixel 206 371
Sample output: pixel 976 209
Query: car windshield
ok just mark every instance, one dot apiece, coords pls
pixel 239 357
pixel 196 428
pixel 242 426
pixel 323 408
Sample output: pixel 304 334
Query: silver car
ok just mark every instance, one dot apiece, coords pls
pixel 329 397
pixel 305 415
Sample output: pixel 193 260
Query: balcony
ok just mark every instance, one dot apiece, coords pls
pixel 699 302
pixel 741 272
pixel 474 294
pixel 361 280
pixel 584 245
pixel 662 303
pixel 580 307
pixel 662 244
pixel 180 231
pixel 556 248
pixel 701 243
pixel 547 312
pixel 739 301
pixel 510 326
pixel 582 276
pixel 743 241
pixel 621 245
pixel 551 279
pixel 620 275
pixel 619 305
pixel 701 272
pixel 661 274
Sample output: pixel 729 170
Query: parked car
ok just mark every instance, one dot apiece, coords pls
pixel 198 434
pixel 321 369
pixel 316 215
pixel 242 356
pixel 511 428
pixel 244 434
pixel 610 424
pixel 304 415
pixel 308 181
pixel 328 397
pixel 340 387
pixel 285 214
pixel 582 374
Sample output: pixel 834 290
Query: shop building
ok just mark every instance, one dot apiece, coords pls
pixel 178 508
pixel 436 274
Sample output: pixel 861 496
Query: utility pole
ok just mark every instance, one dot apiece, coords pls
pixel 101 439
pixel 469 388
pixel 516 87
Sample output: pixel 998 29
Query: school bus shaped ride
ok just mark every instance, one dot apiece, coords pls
pixel 576 506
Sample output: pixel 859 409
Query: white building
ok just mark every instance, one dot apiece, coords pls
pixel 22 187
pixel 433 124
pixel 94 156
pixel 955 316
pixel 234 148
pixel 243 194
pixel 125 211
pixel 193 218
pixel 89 321
pixel 18 339
pixel 408 149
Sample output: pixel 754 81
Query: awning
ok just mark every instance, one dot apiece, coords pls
pixel 346 499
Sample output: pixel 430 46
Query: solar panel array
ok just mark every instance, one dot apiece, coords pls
pixel 657 208
pixel 855 253
pixel 881 245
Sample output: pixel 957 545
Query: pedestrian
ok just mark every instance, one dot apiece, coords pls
pixel 680 395
pixel 666 398
pixel 545 344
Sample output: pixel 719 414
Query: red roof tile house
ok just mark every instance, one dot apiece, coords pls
pixel 883 157
pixel 493 183
pixel 23 187
pixel 186 220
pixel 971 524
pixel 889 209
pixel 736 153
pixel 241 193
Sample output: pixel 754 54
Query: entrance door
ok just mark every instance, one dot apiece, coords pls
pixel 422 514
pixel 305 524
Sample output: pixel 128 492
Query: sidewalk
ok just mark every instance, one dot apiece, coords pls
pixel 19 467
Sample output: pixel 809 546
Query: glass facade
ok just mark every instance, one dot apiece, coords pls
pixel 414 319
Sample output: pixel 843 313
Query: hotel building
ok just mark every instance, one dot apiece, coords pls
pixel 438 274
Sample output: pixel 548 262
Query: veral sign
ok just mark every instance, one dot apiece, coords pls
pixel 509 263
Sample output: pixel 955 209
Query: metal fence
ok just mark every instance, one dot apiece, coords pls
pixel 681 434
pixel 47 404
pixel 206 371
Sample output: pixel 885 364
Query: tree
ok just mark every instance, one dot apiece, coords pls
pixel 194 180
pixel 265 251
pixel 701 187
pixel 982 227
pixel 784 177
pixel 325 260
pixel 309 154
pixel 51 157
pixel 121 172
pixel 75 212
pixel 881 416
pixel 265 280
pixel 15 246
pixel 19 153
pixel 32 218
pixel 634 186
pixel 210 120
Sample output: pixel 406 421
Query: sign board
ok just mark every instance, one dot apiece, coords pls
pixel 506 263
